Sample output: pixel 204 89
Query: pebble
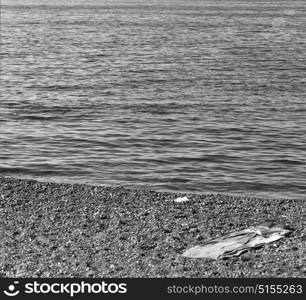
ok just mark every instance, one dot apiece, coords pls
pixel 208 217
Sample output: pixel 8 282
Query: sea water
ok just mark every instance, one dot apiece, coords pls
pixel 190 96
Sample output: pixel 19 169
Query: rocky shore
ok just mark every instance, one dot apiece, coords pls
pixel 75 230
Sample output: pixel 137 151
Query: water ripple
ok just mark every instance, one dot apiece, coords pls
pixel 203 97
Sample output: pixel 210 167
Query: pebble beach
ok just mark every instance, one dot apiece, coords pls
pixel 76 230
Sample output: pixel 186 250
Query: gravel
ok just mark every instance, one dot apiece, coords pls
pixel 77 230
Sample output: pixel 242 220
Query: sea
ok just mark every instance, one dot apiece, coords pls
pixel 190 96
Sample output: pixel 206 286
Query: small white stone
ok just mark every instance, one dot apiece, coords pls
pixel 181 199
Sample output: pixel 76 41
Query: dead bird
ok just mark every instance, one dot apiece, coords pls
pixel 235 243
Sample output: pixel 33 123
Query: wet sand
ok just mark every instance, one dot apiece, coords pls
pixel 65 230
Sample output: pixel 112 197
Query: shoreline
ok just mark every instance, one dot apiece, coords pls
pixel 77 230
